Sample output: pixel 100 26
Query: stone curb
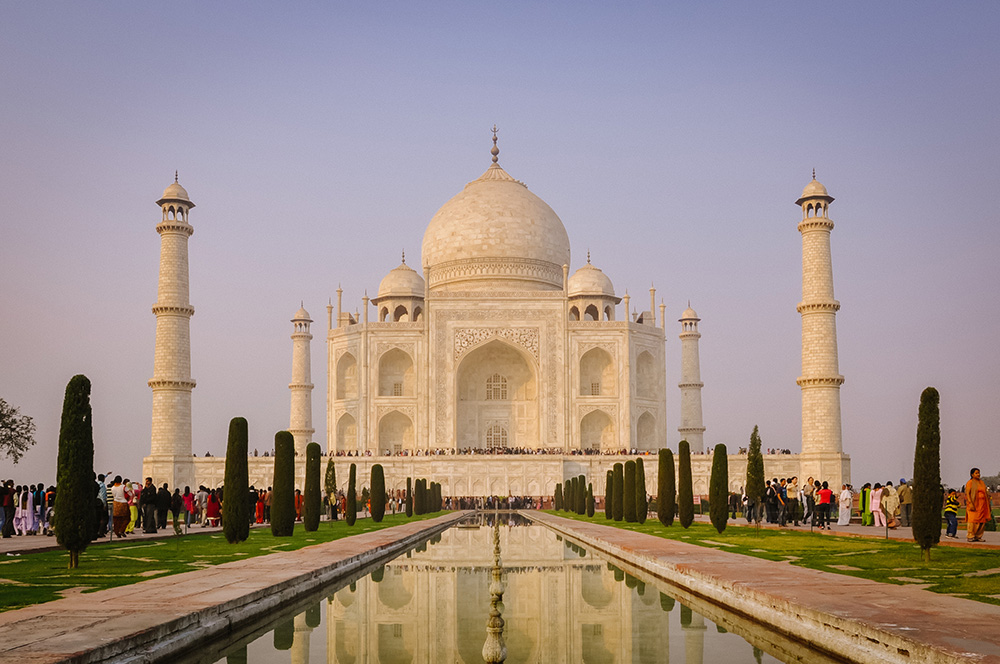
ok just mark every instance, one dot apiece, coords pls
pixel 854 619
pixel 158 620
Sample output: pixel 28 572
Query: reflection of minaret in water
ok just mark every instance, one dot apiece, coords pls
pixel 495 650
pixel 305 622
pixel 694 628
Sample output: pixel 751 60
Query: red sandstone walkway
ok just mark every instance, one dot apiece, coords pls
pixel 856 618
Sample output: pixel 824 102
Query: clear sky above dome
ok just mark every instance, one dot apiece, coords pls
pixel 671 139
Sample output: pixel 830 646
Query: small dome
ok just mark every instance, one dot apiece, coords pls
pixel 403 281
pixel 814 188
pixel 689 314
pixel 302 315
pixel 589 280
pixel 176 192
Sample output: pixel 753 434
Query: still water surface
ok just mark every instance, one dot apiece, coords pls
pixel 561 604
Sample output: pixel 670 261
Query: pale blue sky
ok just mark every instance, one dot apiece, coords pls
pixel 318 140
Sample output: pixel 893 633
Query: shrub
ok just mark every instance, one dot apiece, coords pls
pixel 75 517
pixel 666 492
pixel 628 495
pixel 378 493
pixel 618 490
pixel 409 496
pixel 927 492
pixel 352 496
pixel 641 499
pixel 330 486
pixel 312 505
pixel 755 476
pixel 718 489
pixel 685 491
pixel 283 494
pixel 236 508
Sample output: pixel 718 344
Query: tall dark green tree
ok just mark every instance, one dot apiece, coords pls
pixel 236 507
pixel 718 488
pixel 569 504
pixel 75 516
pixel 685 490
pixel 666 491
pixel 312 504
pixel 330 486
pixel 418 496
pixel 378 493
pixel 558 498
pixel 641 498
pixel 628 496
pixel 755 476
pixel 581 495
pixel 352 496
pixel 609 481
pixel 618 492
pixel 283 493
pixel 590 500
pixel 927 492
pixel 409 496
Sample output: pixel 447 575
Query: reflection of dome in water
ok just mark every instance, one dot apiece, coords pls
pixel 495 230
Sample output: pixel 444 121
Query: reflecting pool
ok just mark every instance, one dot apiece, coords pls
pixel 561 603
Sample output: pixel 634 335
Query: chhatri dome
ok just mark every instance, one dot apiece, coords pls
pixel 814 189
pixel 495 235
pixel 590 280
pixel 175 192
pixel 402 281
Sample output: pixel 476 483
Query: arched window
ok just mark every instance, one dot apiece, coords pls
pixel 496 435
pixel 574 313
pixel 496 390
pixel 592 313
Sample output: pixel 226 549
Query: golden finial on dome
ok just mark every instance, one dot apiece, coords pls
pixel 588 256
pixel 814 174
pixel 404 256
pixel 495 151
pixel 175 177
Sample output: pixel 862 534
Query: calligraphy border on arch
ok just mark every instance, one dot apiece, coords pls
pixel 468 338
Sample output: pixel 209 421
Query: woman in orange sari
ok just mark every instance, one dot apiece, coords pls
pixel 977 507
pixel 260 507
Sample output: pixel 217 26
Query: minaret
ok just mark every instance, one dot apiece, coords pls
pixel 691 428
pixel 822 447
pixel 169 457
pixel 300 422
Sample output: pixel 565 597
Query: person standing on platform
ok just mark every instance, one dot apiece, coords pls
pixel 977 506
pixel 951 506
pixel 845 503
pixel 905 495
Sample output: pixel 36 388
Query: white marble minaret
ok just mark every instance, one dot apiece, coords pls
pixel 691 429
pixel 300 421
pixel 169 458
pixel 822 446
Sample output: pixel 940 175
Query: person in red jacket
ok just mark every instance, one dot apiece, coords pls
pixel 824 501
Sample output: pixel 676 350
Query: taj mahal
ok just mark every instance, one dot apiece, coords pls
pixel 496 368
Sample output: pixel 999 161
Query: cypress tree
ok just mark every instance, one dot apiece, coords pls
pixel 283 494
pixel 312 505
pixel 236 508
pixel 378 493
pixel 666 603
pixel 284 632
pixel 617 492
pixel 927 492
pixel 581 495
pixel 666 492
pixel 568 503
pixel 755 476
pixel 409 496
pixel 641 499
pixel 718 489
pixel 685 491
pixel 608 483
pixel 314 616
pixel 628 494
pixel 75 516
pixel 590 500
pixel 330 486
pixel 418 497
pixel 558 498
pixel 352 496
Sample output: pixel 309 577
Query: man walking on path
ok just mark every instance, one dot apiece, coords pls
pixel 977 506
pixel 905 502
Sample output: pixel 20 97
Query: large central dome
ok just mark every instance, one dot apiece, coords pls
pixel 495 235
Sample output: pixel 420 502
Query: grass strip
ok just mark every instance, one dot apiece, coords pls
pixel 33 578
pixel 970 573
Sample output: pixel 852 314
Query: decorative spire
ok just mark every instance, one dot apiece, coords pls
pixel 404 256
pixel 588 256
pixel 814 174
pixel 175 177
pixel 495 151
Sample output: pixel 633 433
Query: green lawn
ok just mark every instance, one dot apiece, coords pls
pixel 41 577
pixel 965 572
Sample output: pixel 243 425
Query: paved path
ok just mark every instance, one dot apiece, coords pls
pixel 164 616
pixel 857 619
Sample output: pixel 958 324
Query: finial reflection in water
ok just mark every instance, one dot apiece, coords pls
pixel 495 650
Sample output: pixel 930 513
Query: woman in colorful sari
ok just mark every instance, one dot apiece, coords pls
pixel 866 505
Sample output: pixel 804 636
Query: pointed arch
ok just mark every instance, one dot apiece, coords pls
pixel 645 379
pixel 645 432
pixel 597 431
pixel 597 374
pixel 395 374
pixel 347 377
pixel 395 432
pixel 347 433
